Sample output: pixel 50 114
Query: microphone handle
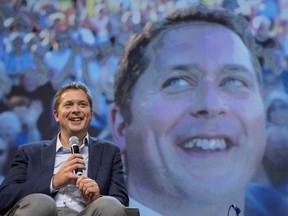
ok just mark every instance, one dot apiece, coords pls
pixel 75 150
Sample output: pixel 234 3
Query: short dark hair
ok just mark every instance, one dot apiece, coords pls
pixel 72 85
pixel 135 59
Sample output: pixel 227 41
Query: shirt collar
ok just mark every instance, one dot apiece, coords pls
pixel 59 144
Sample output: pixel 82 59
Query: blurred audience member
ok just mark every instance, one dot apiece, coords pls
pixel 63 58
pixel 36 87
pixel 283 36
pixel 28 115
pixel 18 125
pixel 277 109
pixel 275 160
pixel 5 87
pixel 10 127
pixel 4 149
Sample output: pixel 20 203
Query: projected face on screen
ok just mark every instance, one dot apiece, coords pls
pixel 199 108
pixel 198 125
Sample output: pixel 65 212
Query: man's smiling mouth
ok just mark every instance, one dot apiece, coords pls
pixel 205 144
pixel 76 119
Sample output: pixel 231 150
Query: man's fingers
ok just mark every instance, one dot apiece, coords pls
pixel 75 162
pixel 84 182
pixel 65 173
pixel 88 188
pixel 87 185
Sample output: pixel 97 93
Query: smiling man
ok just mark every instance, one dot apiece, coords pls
pixel 189 114
pixel 43 181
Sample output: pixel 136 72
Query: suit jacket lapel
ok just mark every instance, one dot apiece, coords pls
pixel 48 153
pixel 95 152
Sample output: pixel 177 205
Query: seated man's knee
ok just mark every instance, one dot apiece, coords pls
pixel 108 205
pixel 36 204
pixel 43 201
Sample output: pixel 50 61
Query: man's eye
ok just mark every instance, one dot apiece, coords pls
pixel 83 105
pixel 233 82
pixel 175 82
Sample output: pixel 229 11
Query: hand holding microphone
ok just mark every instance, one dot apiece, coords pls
pixel 74 164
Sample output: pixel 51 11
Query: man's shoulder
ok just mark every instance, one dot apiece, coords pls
pixel 100 141
pixel 37 144
pixel 103 142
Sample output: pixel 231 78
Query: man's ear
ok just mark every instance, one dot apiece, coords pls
pixel 118 127
pixel 55 115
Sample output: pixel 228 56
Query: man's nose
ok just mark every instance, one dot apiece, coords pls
pixel 209 102
pixel 75 108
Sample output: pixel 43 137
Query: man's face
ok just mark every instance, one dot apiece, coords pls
pixel 198 124
pixel 74 113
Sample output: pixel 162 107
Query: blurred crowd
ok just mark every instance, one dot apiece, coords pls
pixel 47 43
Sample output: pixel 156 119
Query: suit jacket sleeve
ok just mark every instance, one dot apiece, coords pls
pixel 117 185
pixel 107 165
pixel 25 177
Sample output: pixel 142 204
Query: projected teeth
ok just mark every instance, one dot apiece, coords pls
pixel 206 144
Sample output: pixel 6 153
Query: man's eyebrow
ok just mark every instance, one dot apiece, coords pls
pixel 181 67
pixel 83 101
pixel 237 68
pixel 227 68
pixel 71 101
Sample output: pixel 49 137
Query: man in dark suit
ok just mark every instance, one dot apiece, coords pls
pixel 42 179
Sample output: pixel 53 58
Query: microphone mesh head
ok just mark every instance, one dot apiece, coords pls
pixel 73 140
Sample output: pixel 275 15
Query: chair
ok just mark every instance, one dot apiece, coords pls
pixel 130 211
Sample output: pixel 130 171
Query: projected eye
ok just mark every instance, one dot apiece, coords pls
pixel 176 81
pixel 233 82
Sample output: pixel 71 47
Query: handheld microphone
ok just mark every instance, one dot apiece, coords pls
pixel 74 144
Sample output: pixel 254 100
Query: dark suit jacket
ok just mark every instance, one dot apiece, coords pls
pixel 33 167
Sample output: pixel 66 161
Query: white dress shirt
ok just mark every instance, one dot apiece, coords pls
pixel 69 196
